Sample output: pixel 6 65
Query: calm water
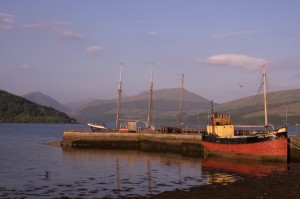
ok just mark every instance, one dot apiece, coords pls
pixel 24 161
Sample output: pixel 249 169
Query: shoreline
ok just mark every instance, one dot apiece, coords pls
pixel 277 185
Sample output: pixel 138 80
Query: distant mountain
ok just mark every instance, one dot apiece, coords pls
pixel 248 110
pixel 165 106
pixel 73 106
pixel 17 109
pixel 45 100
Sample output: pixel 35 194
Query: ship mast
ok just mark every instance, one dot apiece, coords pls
pixel 212 116
pixel 265 96
pixel 119 98
pixel 180 103
pixel 150 99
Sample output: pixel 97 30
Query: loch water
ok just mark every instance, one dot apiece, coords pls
pixel 31 169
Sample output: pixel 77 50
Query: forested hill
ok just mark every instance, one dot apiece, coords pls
pixel 17 109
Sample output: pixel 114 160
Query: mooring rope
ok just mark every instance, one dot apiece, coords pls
pixel 294 146
pixel 296 142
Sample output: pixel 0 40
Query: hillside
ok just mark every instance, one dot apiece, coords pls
pixel 73 106
pixel 250 110
pixel 247 110
pixel 165 106
pixel 45 100
pixel 17 109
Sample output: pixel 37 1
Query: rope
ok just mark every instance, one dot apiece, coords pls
pixel 296 147
pixel 296 142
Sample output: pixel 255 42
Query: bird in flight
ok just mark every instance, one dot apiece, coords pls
pixel 241 85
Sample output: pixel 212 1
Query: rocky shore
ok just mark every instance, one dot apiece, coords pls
pixel 276 186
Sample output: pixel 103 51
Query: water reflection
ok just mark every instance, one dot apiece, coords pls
pixel 134 173
pixel 92 173
pixel 244 167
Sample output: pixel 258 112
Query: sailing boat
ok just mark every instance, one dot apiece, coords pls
pixel 272 145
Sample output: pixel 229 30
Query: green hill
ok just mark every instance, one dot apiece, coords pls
pixel 282 105
pixel 17 109
pixel 45 100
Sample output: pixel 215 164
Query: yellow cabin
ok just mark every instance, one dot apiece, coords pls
pixel 221 125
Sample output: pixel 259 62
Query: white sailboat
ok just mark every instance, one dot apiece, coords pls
pixel 97 127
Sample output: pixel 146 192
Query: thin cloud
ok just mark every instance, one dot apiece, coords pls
pixel 24 66
pixel 52 25
pixel 236 60
pixel 238 33
pixel 95 49
pixel 152 33
pixel 69 35
pixel 7 21
pixel 290 40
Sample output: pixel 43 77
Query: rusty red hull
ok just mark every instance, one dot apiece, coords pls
pixel 275 149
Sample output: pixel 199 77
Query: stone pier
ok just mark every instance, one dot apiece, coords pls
pixel 185 144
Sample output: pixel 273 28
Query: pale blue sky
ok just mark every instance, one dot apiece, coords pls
pixel 72 50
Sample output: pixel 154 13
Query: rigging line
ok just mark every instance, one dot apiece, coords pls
pixel 270 96
pixel 296 142
pixel 296 147
pixel 259 85
pixel 258 92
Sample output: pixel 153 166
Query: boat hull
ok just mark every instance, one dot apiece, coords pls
pixel 97 128
pixel 271 149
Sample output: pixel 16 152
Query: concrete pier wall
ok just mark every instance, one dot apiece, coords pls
pixel 186 144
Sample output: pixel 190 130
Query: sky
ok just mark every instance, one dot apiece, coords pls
pixel 72 50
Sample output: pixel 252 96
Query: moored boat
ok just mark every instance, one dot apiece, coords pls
pixel 97 127
pixel 222 139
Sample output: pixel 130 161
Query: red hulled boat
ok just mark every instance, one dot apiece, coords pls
pixel 223 140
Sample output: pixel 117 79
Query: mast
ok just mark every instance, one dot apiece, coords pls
pixel 119 98
pixel 265 96
pixel 150 99
pixel 180 102
pixel 212 117
pixel 286 116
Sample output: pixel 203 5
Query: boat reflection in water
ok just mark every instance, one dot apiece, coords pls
pixel 129 173
pixel 218 169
